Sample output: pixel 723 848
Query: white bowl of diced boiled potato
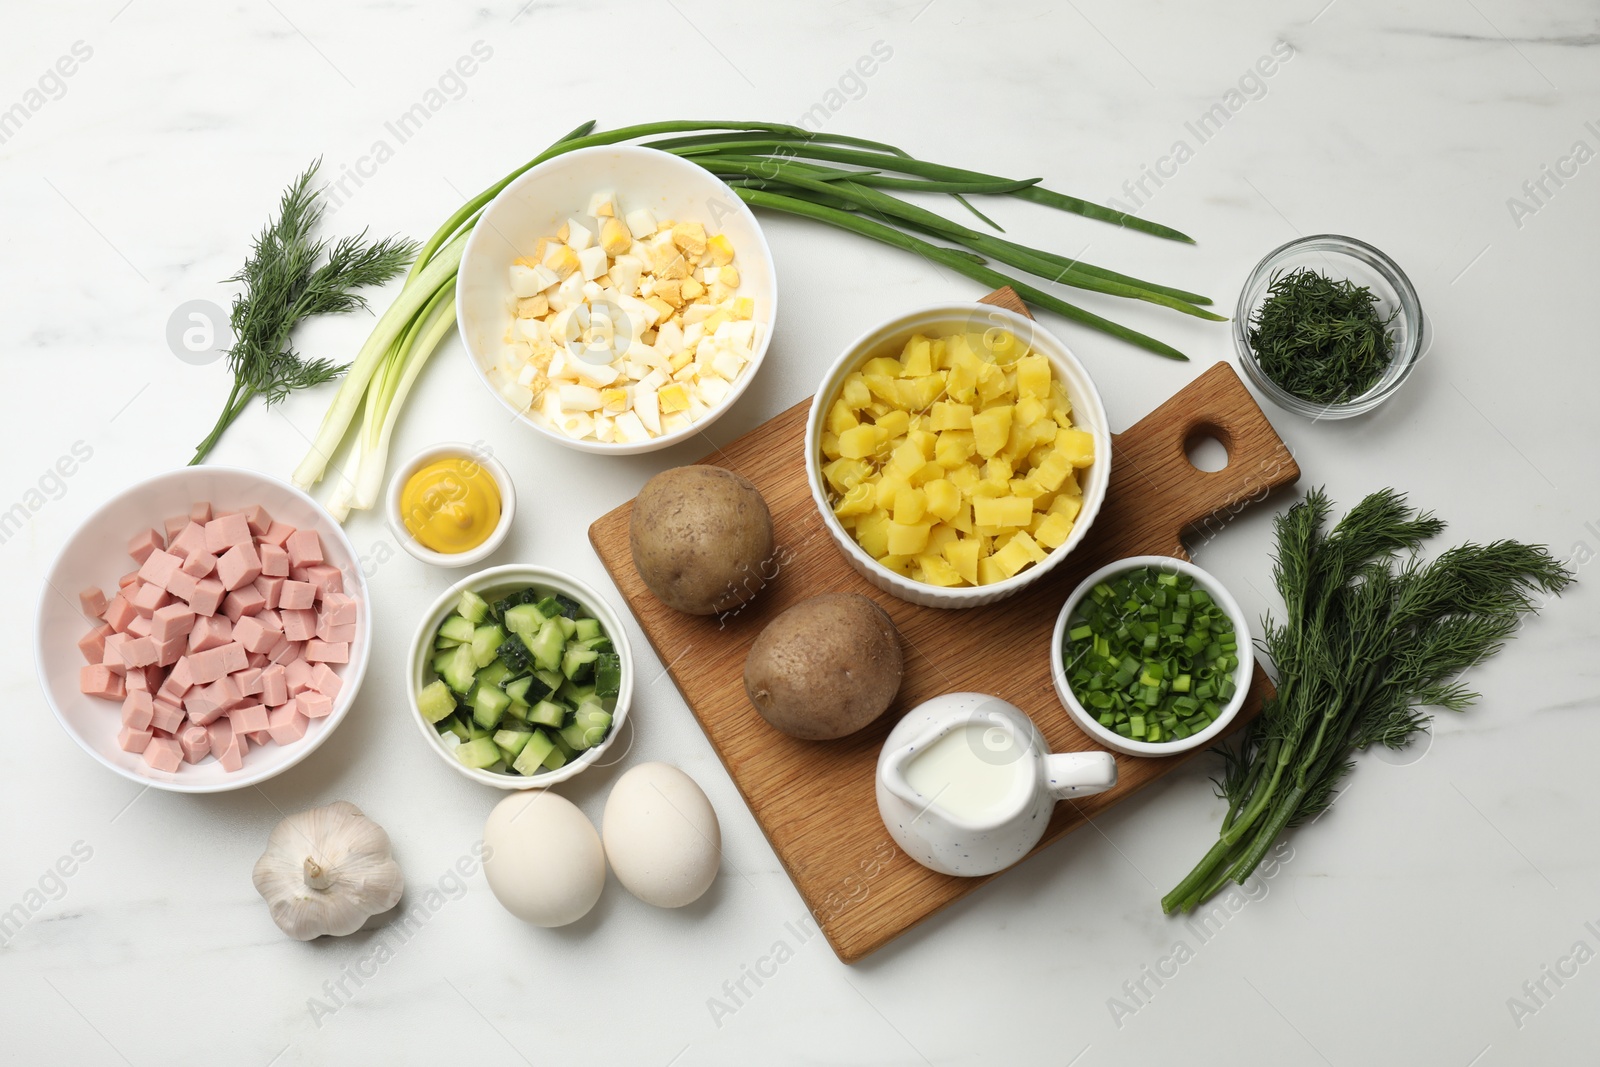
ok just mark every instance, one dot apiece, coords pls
pixel 616 299
pixel 957 454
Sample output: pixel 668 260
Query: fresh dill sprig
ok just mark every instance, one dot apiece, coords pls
pixel 1370 637
pixel 1320 339
pixel 289 277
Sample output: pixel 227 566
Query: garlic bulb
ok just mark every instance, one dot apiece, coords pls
pixel 325 871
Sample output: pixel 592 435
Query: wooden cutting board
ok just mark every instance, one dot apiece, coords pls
pixel 815 800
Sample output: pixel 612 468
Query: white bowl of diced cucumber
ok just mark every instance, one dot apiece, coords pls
pixel 520 677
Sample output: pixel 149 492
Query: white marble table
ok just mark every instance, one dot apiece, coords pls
pixel 1395 930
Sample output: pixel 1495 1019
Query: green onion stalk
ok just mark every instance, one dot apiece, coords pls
pixel 830 178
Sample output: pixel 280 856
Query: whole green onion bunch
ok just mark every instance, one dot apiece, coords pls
pixel 846 182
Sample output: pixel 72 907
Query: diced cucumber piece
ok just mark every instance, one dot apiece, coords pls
pixel 440 643
pixel 488 704
pixel 608 674
pixel 546 713
pixel 480 753
pixel 472 607
pixel 524 619
pixel 441 658
pixel 516 711
pixel 576 693
pixel 552 679
pixel 436 701
pixel 556 758
pixel 590 716
pixel 458 629
pixel 568 627
pixel 577 738
pixel 534 750
pixel 575 662
pixel 486 641
pixel 549 607
pixel 540 687
pixel 460 669
pixel 569 608
pixel 588 629
pixel 548 646
pixel 514 654
pixel 598 644
pixel 562 747
pixel 474 731
pixel 496 674
pixel 511 742
pixel 455 727
pixel 517 690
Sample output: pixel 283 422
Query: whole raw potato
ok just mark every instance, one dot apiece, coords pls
pixel 826 667
pixel 700 537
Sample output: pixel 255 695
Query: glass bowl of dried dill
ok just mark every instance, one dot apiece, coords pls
pixel 1328 327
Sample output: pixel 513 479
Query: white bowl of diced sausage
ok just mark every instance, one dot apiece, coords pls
pixel 203 630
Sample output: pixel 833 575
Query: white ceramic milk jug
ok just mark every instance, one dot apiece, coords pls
pixel 966 783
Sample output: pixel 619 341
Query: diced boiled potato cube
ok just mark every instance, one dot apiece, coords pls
pixel 1002 511
pixel 841 418
pixel 908 539
pixel 951 416
pixel 858 443
pixel 990 572
pixel 990 429
pixel 1053 530
pixel 918 356
pixel 1077 446
pixel 1033 377
pixel 943 498
pixel 1066 506
pixel 872 530
pixel 909 505
pixel 937 571
pixel 857 500
pixel 954 448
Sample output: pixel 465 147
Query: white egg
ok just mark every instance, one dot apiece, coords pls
pixel 661 836
pixel 544 860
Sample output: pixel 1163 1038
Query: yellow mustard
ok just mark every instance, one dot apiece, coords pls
pixel 451 505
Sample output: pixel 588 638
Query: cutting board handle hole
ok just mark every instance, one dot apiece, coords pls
pixel 1207 448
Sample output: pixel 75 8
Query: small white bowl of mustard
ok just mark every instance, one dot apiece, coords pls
pixel 451 505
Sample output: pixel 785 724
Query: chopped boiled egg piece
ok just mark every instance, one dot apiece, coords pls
pixel 602 204
pixel 580 398
pixel 647 408
pixel 561 259
pixel 592 262
pixel 641 223
pixel 615 237
pixel 578 235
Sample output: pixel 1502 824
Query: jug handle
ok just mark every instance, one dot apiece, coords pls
pixel 1078 774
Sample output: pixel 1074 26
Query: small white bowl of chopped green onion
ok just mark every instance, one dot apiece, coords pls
pixel 1151 656
pixel 520 677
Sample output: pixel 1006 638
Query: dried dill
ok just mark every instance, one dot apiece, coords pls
pixel 1321 339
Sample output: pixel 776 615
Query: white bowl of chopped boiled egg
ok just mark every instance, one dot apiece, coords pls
pixel 616 299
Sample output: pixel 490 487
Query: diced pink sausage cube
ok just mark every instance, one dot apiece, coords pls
pixel 112 658
pixel 325 680
pixel 274 685
pixel 165 716
pixel 232 757
pixel 93 601
pixel 138 710
pixel 209 701
pixel 158 567
pixel 119 613
pixel 258 519
pixel 139 626
pixel 183 585
pixel 258 660
pixel 219 733
pixel 297 596
pixel 93 643
pixel 163 754
pixel 190 542
pixel 297 672
pixel 314 705
pixel 205 667
pixel 326 651
pixel 244 601
pixel 341 609
pixel 304 547
pixel 211 631
pixel 143 543
pixel 173 620
pixel 326 577
pixel 173 527
pixel 248 681
pixel 135 681
pixel 256 635
pixel 235 657
pixel 299 625
pixel 259 737
pixel 149 597
pixel 171 691
pixel 198 565
pixel 226 531
pixel 274 561
pixel 277 534
pixel 286 651
pixel 171 650
pixel 238 566
pixel 327 632
pixel 200 513
pixel 98 680
pixel 271 588
pixel 139 652
pixel 131 740
pixel 286 724
pixel 195 742
pixel 208 594
pixel 248 718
